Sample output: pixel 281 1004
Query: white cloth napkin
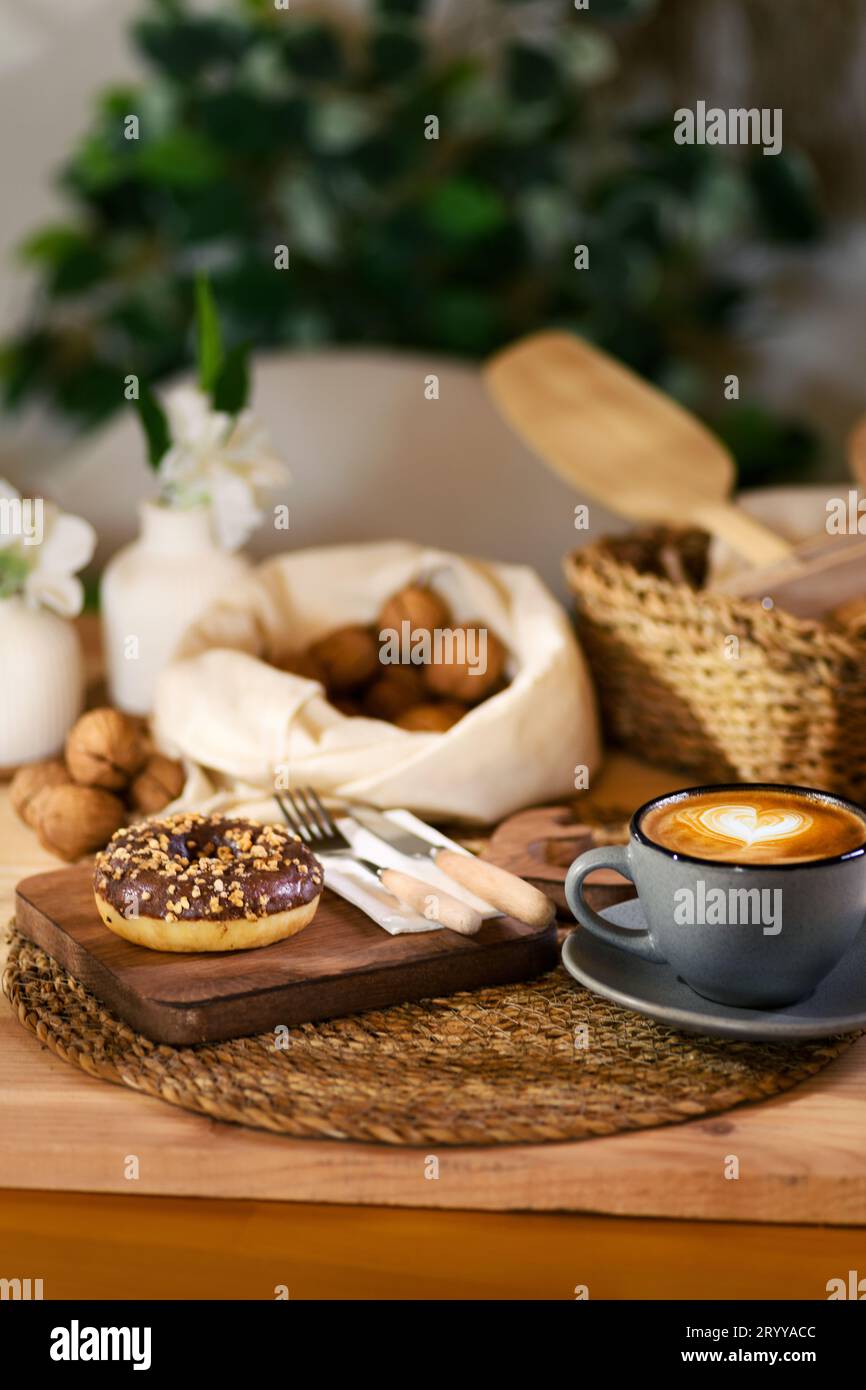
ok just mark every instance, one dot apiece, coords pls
pixel 356 886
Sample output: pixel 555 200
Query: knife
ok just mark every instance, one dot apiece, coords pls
pixel 501 889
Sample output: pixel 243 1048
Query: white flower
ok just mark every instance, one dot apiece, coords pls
pixel 222 459
pixel 41 551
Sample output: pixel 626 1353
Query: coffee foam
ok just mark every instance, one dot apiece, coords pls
pixel 746 825
pixel 754 827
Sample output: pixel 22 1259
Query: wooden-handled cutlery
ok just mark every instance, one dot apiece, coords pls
pixel 306 815
pixel 493 885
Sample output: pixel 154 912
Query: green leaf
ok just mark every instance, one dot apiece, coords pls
pixel 24 364
pixel 242 123
pixel 154 422
pixel 91 388
pixel 186 46
pixel 786 193
pixel 96 165
pixel 313 51
pixel 51 245
pixel 404 8
pixel 620 9
pixel 183 158
pixel 340 123
pixel 464 210
pixel 462 321
pixel 311 223
pixel 232 386
pixel 764 447
pixel 396 52
pixel 587 55
pixel 474 104
pixel 549 219
pixel 209 345
pixel 531 73
pixel 71 260
pixel 14 569
pixel 92 588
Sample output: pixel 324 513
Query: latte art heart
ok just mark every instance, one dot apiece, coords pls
pixel 747 825
pixel 764 825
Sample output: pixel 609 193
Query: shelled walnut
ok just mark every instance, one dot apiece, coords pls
pixel 395 691
pixel 474 677
pixel 438 673
pixel 348 659
pixel 418 606
pixel 432 718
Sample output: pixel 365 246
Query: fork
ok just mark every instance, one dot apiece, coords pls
pixel 310 820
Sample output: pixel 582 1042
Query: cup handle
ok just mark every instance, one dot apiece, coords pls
pixel 640 943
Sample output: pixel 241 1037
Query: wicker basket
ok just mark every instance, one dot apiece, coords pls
pixel 715 684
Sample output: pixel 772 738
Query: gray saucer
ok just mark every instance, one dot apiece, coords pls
pixel 837 1005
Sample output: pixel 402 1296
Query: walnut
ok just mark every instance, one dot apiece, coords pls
pixel 29 781
pixel 105 749
pixel 72 821
pixel 418 606
pixel 470 679
pixel 396 691
pixel 159 782
pixel 349 658
pixel 432 718
pixel 302 664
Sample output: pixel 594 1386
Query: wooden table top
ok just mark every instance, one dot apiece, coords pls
pixel 65 1134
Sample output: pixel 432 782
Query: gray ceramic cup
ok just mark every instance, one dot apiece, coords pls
pixel 785 925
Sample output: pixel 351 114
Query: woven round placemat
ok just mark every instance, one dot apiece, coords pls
pixel 522 1063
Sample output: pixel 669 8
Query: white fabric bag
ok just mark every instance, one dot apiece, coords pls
pixel 245 723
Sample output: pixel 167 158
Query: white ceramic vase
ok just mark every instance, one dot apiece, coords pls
pixel 41 682
pixel 152 590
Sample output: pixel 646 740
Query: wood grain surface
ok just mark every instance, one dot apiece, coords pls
pixel 342 963
pixel 540 844
pixel 171 1248
pixel 802 1156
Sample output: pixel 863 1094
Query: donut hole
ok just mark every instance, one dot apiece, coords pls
pixel 202 845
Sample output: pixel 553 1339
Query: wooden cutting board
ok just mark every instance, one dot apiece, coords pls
pixel 342 963
pixel 540 844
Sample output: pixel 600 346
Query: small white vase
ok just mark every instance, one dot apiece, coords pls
pixel 152 590
pixel 41 682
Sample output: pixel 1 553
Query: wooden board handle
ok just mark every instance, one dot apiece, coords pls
pixel 431 903
pixel 497 887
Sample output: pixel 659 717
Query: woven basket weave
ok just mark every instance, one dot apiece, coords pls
pixel 715 684
pixel 513 1064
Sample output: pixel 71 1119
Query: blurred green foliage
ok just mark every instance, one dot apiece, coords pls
pixel 261 127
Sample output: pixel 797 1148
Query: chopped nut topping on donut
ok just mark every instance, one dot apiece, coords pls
pixel 193 867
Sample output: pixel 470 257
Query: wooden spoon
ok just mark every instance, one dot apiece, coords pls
pixel 616 437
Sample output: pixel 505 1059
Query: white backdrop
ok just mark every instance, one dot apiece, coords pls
pixel 371 459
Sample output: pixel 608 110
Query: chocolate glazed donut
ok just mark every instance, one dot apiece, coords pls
pixel 193 883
